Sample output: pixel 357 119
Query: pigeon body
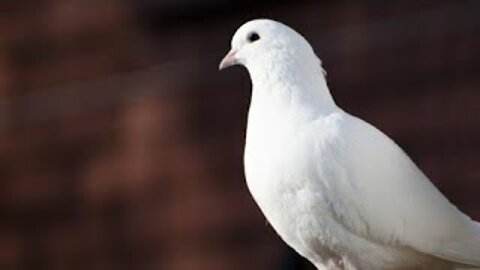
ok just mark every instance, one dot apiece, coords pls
pixel 336 189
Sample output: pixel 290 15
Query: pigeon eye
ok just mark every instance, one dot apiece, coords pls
pixel 253 37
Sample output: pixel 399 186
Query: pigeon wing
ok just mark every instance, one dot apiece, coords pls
pixel 392 202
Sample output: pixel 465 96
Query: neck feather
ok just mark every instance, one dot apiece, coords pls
pixel 296 83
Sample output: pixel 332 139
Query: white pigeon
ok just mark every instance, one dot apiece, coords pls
pixel 335 188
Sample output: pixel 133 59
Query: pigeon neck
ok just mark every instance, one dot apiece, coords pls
pixel 295 84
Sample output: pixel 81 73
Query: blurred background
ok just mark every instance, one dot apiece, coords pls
pixel 121 144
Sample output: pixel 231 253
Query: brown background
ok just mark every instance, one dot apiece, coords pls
pixel 121 143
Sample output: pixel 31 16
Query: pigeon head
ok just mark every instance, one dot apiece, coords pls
pixel 265 42
pixel 281 62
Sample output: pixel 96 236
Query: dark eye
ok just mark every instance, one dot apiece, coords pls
pixel 253 37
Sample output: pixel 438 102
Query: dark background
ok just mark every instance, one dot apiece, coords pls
pixel 121 144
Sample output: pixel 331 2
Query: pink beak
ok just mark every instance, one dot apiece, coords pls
pixel 228 60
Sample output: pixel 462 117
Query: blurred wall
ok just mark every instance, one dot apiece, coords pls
pixel 121 143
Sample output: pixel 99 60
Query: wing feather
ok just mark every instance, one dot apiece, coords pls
pixel 396 202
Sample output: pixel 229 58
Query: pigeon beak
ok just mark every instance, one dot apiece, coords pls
pixel 228 60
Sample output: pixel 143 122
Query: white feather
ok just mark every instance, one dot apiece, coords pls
pixel 335 188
